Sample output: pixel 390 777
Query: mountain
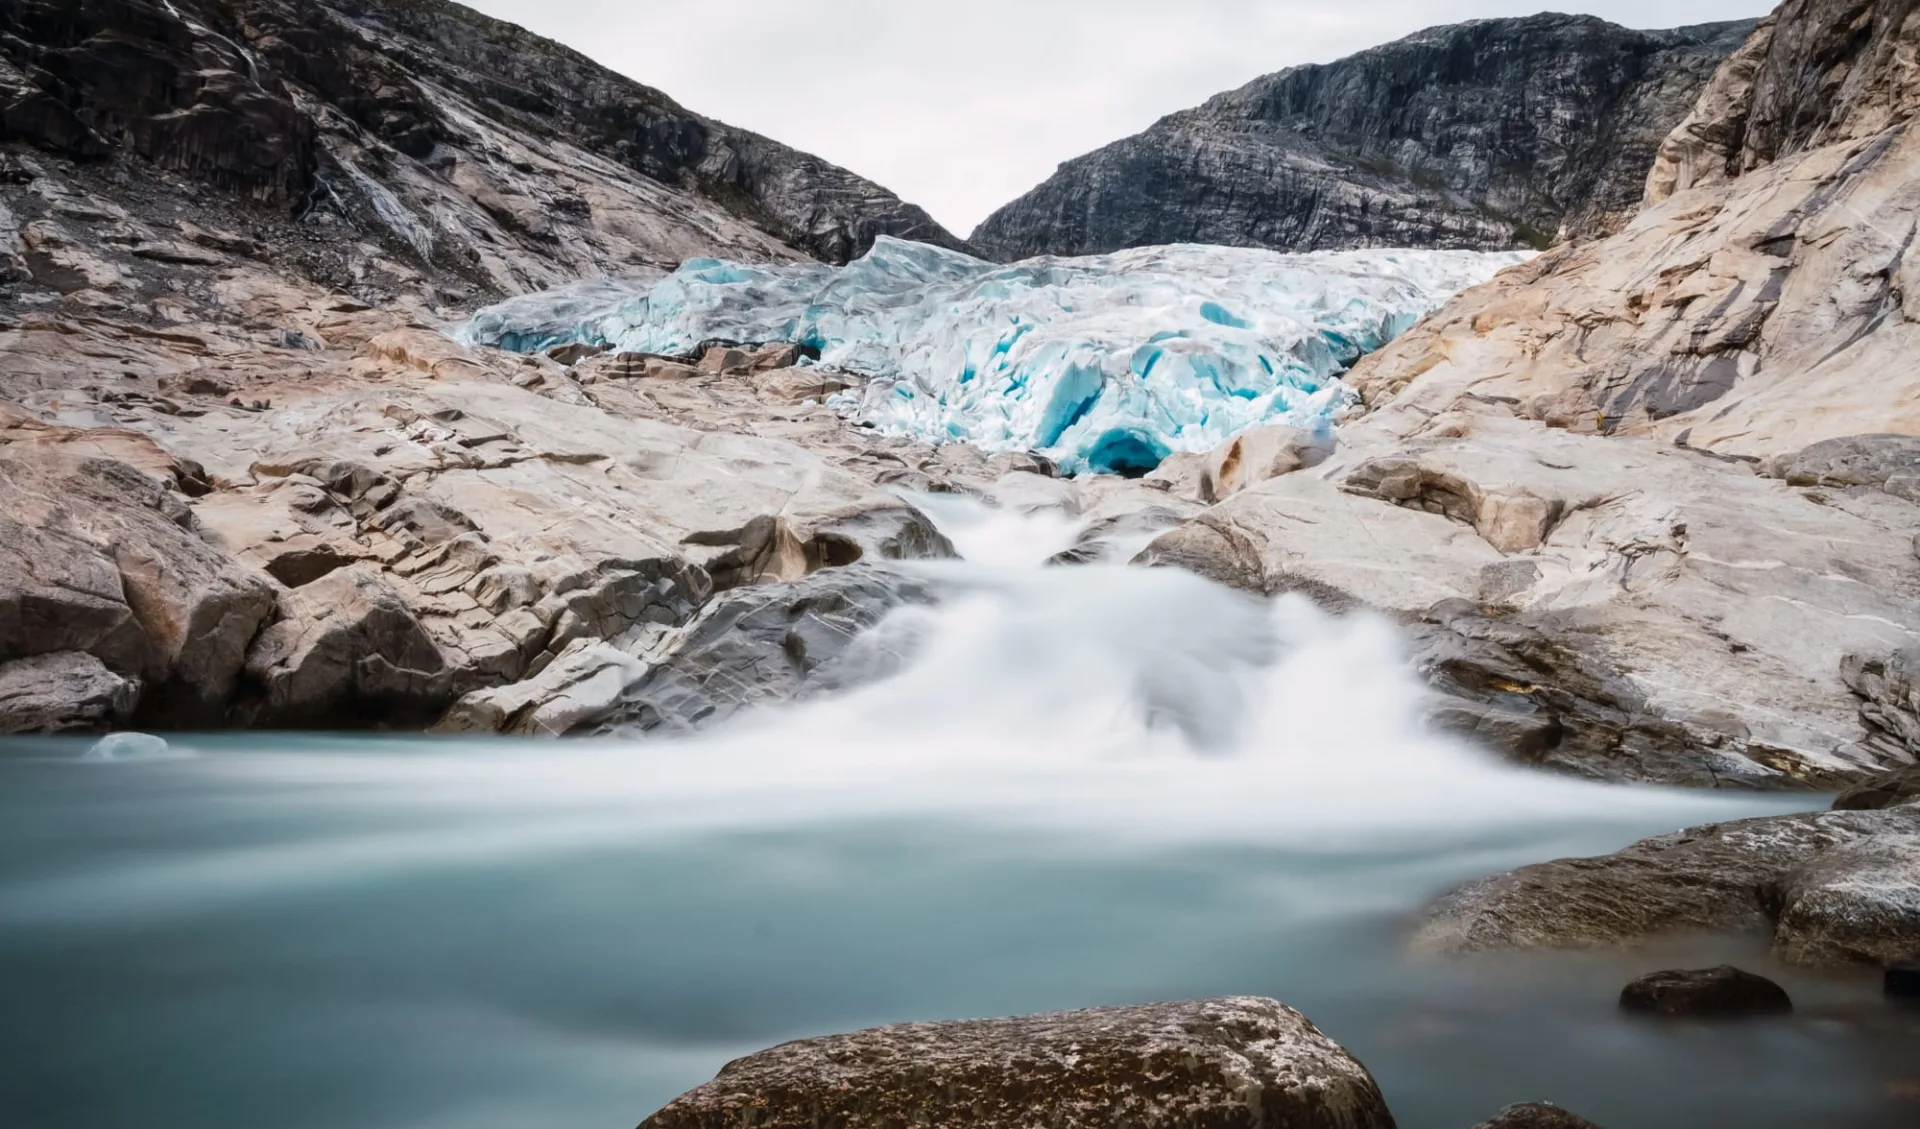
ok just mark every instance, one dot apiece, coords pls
pixel 464 149
pixel 1492 134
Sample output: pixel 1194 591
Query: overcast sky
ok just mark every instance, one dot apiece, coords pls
pixel 962 105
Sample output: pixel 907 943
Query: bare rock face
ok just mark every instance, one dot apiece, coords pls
pixel 1833 888
pixel 63 692
pixel 1712 992
pixel 1237 1063
pixel 1597 605
pixel 97 558
pixel 394 147
pixel 1537 1115
pixel 1490 134
pixel 347 647
pixel 1764 300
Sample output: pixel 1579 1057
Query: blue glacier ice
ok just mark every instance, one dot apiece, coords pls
pixel 1106 364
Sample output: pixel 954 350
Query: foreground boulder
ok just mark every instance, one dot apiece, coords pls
pixel 1237 1063
pixel 1829 889
pixel 1537 1115
pixel 1724 991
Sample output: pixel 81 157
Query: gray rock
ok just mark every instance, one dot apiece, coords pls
pixel 1828 888
pixel 1890 463
pixel 773 643
pixel 1536 1115
pixel 1888 791
pixel 1706 993
pixel 63 692
pixel 1889 690
pixel 583 685
pixel 1857 903
pixel 1239 1063
pixel 1489 134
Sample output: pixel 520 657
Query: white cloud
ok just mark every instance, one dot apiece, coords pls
pixel 962 105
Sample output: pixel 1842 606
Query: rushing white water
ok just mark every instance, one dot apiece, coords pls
pixel 1078 786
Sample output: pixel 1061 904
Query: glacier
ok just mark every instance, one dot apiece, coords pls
pixel 1106 364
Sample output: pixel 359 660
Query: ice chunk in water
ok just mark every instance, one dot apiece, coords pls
pixel 1106 364
pixel 128 747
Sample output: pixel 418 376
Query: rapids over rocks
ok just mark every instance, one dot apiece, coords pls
pixel 1055 788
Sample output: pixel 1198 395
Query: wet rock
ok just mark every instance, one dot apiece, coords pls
pixel 1856 903
pixel 63 692
pixel 1903 982
pixel 1708 993
pixel 772 643
pixel 1237 1063
pixel 1888 791
pixel 584 684
pixel 1536 1115
pixel 1829 889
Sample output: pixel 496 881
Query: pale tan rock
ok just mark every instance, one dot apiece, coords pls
pixel 1258 455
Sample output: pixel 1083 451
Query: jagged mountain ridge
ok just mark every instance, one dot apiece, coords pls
pixel 488 152
pixel 1486 135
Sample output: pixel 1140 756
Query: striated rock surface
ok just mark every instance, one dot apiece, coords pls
pixel 396 145
pixel 1237 1063
pixel 63 692
pixel 1765 307
pixel 1489 134
pixel 1833 888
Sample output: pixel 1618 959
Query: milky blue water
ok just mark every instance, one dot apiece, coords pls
pixel 1078 787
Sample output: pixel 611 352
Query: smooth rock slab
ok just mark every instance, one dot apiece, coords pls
pixel 63 692
pixel 1237 1063
pixel 1724 991
pixel 1536 1115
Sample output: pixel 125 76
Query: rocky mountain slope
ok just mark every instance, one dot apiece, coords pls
pixel 410 146
pixel 1490 134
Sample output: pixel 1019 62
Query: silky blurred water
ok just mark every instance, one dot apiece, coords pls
pixel 1070 787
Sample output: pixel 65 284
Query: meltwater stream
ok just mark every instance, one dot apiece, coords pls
pixel 1074 787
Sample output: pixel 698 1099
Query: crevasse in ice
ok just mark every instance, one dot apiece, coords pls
pixel 1106 364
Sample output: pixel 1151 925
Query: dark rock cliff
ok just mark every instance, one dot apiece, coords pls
pixel 1490 134
pixel 485 151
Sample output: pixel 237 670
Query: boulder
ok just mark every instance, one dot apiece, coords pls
pixel 1888 686
pixel 1889 463
pixel 1536 1115
pixel 1238 1063
pixel 1856 903
pixel 582 685
pixel 1256 456
pixel 767 644
pixel 1707 993
pixel 1829 889
pixel 347 654
pixel 63 692
pixel 101 559
pixel 1888 791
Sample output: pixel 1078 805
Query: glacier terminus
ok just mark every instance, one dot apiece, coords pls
pixel 1106 364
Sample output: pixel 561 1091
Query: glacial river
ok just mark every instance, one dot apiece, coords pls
pixel 1066 788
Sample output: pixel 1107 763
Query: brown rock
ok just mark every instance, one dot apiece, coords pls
pixel 1536 1115
pixel 348 654
pixel 63 692
pixel 1707 993
pixel 1239 1063
pixel 1889 791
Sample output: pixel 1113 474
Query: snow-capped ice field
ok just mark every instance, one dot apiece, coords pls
pixel 1106 364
